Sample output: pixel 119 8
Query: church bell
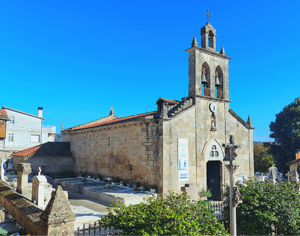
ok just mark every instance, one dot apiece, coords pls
pixel 203 78
pixel 217 82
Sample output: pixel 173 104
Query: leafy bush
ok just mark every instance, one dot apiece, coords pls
pixel 153 187
pixel 174 214
pixel 267 209
pixel 205 193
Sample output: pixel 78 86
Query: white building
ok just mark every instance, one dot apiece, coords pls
pixel 25 130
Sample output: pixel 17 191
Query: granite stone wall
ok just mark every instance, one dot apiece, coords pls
pixel 131 151
pixel 195 125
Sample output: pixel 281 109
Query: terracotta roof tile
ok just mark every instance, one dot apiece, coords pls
pixel 96 124
pixel 49 149
pixel 169 100
pixel 3 115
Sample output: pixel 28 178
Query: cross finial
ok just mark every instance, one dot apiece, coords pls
pixel 112 112
pixel 39 170
pixel 208 15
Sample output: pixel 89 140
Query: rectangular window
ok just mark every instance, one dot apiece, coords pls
pixel 35 138
pixel 108 141
pixel 10 137
pixel 11 119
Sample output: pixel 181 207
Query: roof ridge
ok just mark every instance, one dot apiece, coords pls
pixel 108 121
pixel 25 113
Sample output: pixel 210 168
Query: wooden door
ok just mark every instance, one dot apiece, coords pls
pixel 213 179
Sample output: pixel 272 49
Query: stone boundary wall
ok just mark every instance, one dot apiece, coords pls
pixel 55 167
pixel 23 210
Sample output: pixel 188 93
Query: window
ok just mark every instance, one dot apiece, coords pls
pixel 11 119
pixel 35 138
pixel 214 152
pixel 108 141
pixel 10 137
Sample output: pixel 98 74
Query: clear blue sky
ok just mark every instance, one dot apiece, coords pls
pixel 78 58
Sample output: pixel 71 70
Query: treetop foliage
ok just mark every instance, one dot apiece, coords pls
pixel 286 132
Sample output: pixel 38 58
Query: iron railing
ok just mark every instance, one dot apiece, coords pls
pixel 96 228
pixel 218 209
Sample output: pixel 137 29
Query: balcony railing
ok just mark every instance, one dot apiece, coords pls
pixel 50 128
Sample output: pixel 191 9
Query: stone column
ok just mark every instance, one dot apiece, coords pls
pixel 23 169
pixel 38 185
pixel 58 218
pixel 232 169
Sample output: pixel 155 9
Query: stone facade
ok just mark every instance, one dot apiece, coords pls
pixel 144 148
pixel 131 151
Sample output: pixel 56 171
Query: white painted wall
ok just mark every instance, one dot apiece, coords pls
pixel 24 126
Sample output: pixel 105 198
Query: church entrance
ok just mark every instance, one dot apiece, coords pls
pixel 213 170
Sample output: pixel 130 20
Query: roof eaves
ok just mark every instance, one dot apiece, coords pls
pixel 22 112
pixel 236 116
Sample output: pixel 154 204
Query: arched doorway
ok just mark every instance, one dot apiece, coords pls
pixel 213 170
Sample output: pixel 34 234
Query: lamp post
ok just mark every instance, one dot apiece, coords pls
pixel 230 156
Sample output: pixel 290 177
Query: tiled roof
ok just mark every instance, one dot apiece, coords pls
pixel 49 149
pixel 293 161
pixel 169 100
pixel 3 115
pixel 100 123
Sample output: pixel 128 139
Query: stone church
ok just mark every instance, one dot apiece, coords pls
pixel 179 146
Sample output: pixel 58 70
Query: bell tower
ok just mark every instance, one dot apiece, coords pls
pixel 208 68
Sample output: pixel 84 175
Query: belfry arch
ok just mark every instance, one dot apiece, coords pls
pixel 205 79
pixel 219 82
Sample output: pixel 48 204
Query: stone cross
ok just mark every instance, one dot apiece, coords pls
pixel 208 15
pixel 289 175
pixel 23 170
pixel 230 155
pixel 111 111
pixel 39 170
pixel 38 186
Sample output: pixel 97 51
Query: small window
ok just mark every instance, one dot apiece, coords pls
pixel 217 153
pixel 212 153
pixel 12 120
pixel 10 137
pixel 35 138
pixel 108 141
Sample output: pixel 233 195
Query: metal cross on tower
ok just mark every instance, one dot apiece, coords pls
pixel 208 15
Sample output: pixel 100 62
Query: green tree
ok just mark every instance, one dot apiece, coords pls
pixel 173 214
pixel 286 133
pixel 262 158
pixel 267 209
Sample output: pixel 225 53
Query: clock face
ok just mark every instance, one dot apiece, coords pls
pixel 213 107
